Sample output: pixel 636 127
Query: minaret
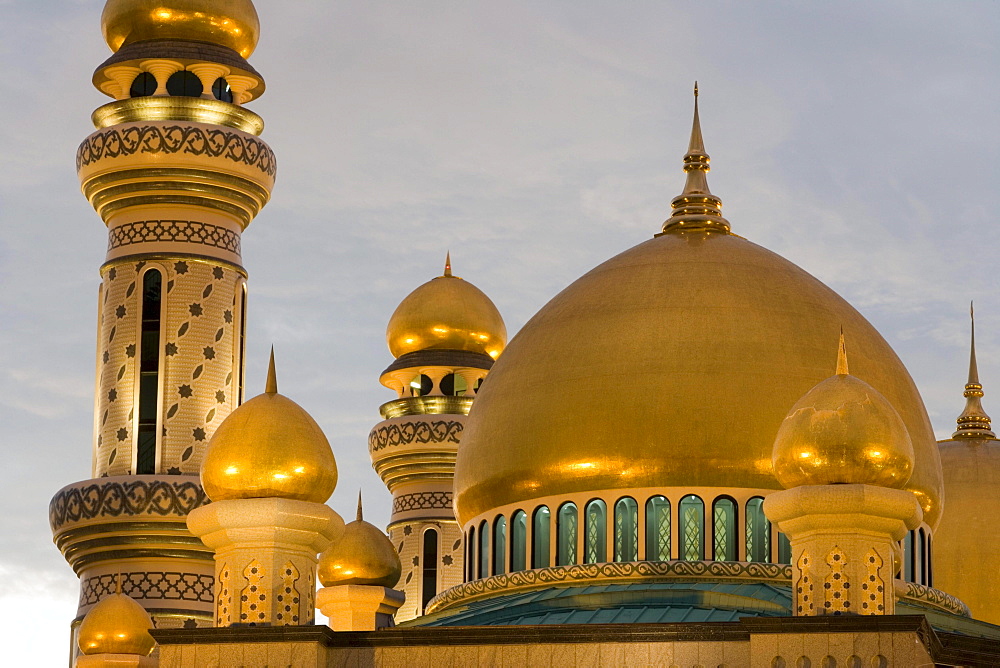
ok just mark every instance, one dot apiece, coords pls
pixel 970 460
pixel 176 172
pixel 445 336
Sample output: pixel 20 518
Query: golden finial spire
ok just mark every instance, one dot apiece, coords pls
pixel 447 264
pixel 271 387
pixel 842 369
pixel 361 514
pixel 118 582
pixel 973 422
pixel 696 208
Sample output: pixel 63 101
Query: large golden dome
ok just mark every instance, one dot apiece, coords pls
pixel 116 625
pixel 843 431
pixel 230 23
pixel 269 447
pixel 672 364
pixel 447 313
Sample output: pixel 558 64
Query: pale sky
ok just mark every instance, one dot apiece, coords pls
pixel 532 139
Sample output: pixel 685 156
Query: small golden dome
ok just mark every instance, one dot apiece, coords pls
pixel 116 625
pixel 269 447
pixel 363 556
pixel 230 23
pixel 842 431
pixel 446 313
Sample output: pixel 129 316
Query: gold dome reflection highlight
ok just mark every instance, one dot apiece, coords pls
pixel 229 23
pixel 446 313
pixel 842 431
pixel 269 447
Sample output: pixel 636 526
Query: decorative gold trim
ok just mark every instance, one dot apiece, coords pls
pixel 88 560
pixel 641 571
pixel 186 140
pixel 176 175
pixel 917 594
pixel 111 208
pixel 177 108
pixel 67 535
pixel 432 405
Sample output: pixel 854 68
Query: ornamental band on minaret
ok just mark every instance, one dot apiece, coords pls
pixel 177 172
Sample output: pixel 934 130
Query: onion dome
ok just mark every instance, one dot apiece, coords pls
pixel 842 431
pixel 446 313
pixel 672 364
pixel 116 625
pixel 363 556
pixel 230 23
pixel 269 447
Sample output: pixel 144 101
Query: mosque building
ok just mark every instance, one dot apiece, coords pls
pixel 696 454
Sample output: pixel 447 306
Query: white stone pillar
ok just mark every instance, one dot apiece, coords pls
pixel 843 541
pixel 359 607
pixel 266 551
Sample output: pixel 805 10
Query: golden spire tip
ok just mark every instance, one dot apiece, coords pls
pixel 118 582
pixel 696 89
pixel 272 377
pixel 361 515
pixel 842 369
pixel 973 364
pixel 447 264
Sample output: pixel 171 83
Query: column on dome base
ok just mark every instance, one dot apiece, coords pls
pixel 359 607
pixel 266 551
pixel 844 542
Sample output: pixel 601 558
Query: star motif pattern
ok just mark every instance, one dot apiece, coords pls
pixel 185 391
pixel 195 309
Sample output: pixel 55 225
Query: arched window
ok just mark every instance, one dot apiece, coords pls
pixel 241 344
pixel 143 85
pixel 149 373
pixel 428 587
pixel 908 559
pixel 692 517
pixel 566 533
pixel 540 523
pixel 921 571
pixel 784 549
pixel 453 385
pixel 221 90
pixel 421 386
pixel 596 531
pixel 499 543
pixel 484 550
pixel 626 530
pixel 518 541
pixel 184 84
pixel 930 562
pixel 658 529
pixel 724 529
pixel 758 531
pixel 470 556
